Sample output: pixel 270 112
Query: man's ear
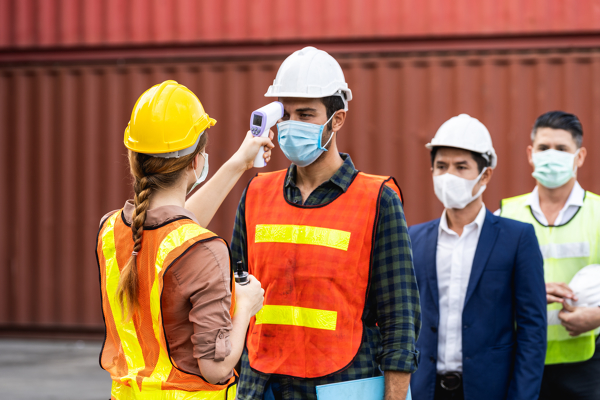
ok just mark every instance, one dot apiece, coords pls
pixel 487 176
pixel 338 120
pixel 529 155
pixel 581 157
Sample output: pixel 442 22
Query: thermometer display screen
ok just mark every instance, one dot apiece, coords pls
pixel 257 120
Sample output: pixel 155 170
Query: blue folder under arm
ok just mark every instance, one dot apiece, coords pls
pixel 360 389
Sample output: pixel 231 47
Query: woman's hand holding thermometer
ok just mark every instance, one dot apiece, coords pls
pixel 261 121
pixel 243 159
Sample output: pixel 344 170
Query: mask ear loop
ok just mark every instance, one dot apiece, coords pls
pixel 330 137
pixel 575 158
pixel 481 174
pixel 478 179
pixel 483 187
pixel 194 169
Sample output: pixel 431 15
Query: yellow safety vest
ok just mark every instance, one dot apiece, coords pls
pixel 136 352
pixel 566 249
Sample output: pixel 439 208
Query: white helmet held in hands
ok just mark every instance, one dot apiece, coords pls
pixel 310 73
pixel 466 132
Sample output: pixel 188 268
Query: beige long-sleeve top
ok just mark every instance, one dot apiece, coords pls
pixel 196 296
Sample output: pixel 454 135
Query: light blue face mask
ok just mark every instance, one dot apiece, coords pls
pixel 203 174
pixel 553 168
pixel 301 141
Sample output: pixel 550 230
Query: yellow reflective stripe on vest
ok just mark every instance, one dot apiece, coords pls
pixel 122 392
pixel 299 234
pixel 126 330
pixel 298 316
pixel 176 238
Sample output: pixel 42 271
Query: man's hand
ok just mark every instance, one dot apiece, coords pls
pixel 396 385
pixel 244 157
pixel 578 320
pixel 557 292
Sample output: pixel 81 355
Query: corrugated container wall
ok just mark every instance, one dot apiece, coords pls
pixel 63 163
pixel 83 23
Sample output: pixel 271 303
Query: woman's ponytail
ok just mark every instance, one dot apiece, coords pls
pixel 127 291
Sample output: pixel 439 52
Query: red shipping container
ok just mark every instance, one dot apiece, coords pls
pixel 63 162
pixel 101 23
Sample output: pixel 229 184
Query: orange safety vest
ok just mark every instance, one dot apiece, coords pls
pixel 314 263
pixel 136 353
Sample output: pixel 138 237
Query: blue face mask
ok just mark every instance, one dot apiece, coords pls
pixel 301 141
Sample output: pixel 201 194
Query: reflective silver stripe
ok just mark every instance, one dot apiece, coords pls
pixel 565 250
pixel 553 317
pixel 178 153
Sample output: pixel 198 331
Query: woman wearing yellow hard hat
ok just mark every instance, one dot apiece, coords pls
pixel 175 320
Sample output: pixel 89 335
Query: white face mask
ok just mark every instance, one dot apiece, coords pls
pixel 203 174
pixel 456 192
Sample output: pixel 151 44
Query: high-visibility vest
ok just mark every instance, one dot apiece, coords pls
pixel 566 249
pixel 136 352
pixel 314 264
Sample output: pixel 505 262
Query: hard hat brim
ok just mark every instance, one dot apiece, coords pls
pixel 431 145
pixel 272 93
pixel 494 157
pixel 178 153
pixel 337 92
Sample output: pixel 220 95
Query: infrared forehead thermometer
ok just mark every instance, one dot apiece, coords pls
pixel 261 121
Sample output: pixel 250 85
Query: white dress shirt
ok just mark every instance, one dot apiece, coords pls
pixel 454 260
pixel 573 203
pixel 570 208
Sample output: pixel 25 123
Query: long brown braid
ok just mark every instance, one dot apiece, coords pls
pixel 149 174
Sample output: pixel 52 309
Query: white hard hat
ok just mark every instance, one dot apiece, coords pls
pixel 310 73
pixel 465 132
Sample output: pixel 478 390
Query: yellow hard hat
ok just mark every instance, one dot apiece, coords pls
pixel 166 121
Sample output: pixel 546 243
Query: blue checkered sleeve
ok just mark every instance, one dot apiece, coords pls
pixel 238 240
pixel 394 288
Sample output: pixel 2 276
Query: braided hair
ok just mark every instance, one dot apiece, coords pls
pixel 149 174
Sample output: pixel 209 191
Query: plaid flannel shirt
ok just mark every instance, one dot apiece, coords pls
pixel 394 314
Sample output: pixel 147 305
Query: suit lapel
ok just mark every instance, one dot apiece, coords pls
pixel 430 251
pixel 487 239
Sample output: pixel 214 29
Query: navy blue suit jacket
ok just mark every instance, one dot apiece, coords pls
pixel 504 316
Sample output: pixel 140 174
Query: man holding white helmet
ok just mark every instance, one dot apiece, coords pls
pixel 481 282
pixel 566 219
pixel 331 249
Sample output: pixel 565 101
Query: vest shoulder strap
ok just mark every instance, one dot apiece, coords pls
pixel 389 181
pixel 512 203
pixel 266 184
pixel 516 199
pixel 270 175
pixel 591 208
pixel 107 223
pixel 592 197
